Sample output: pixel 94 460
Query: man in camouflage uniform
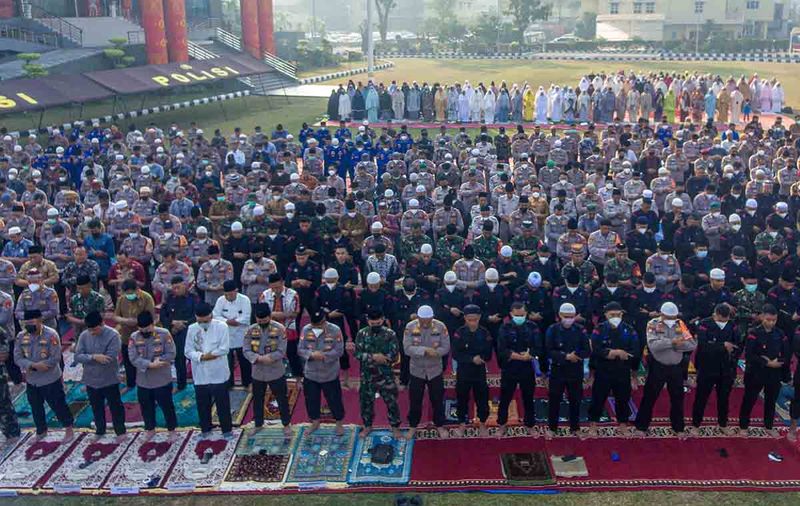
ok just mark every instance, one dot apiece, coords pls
pixel 9 424
pixel 526 243
pixel 487 244
pixel 749 302
pixel 409 248
pixel 627 270
pixel 450 246
pixel 377 349
pixel 578 262
pixel 85 300
pixel 256 272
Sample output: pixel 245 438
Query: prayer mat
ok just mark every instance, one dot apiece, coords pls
pixel 6 449
pixel 240 400
pixel 364 471
pixel 575 468
pixel 90 463
pixel 146 463
pixel 322 456
pixel 73 371
pixel 451 412
pixel 31 462
pixel 784 404
pixel 133 415
pixel 526 469
pixel 542 406
pixel 203 461
pixel 185 408
pixel 261 458
pixel 76 398
pixel 612 409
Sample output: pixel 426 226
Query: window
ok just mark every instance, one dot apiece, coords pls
pixel 748 29
pixel 637 7
pixel 650 7
pixel 698 7
pixel 752 4
pixel 613 8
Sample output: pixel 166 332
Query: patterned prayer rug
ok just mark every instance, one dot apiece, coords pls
pixel 261 458
pixel 612 409
pixel 6 449
pixel 90 463
pixel 76 400
pixel 203 461
pixel 527 469
pixel 185 408
pixel 30 462
pixel 146 463
pixel 322 456
pixel 783 406
pixel 364 471
pixel 451 412
pixel 73 371
pixel 240 400
pixel 272 414
pixel 133 416
pixel 572 467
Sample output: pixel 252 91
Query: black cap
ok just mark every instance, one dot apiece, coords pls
pixel 262 310
pixel 274 278
pixel 374 314
pixel 649 277
pixel 176 280
pixel 83 280
pixel 213 249
pixel 35 249
pixel 229 285
pixel 32 314
pixel 488 225
pixel 612 306
pixel 203 309
pixel 145 319
pixel 301 250
pixel 317 317
pixel 665 246
pixel 92 320
pixel 472 309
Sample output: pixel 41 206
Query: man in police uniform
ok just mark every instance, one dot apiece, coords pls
pixel 169 269
pixel 265 348
pixel 567 346
pixel 335 301
pixel 472 349
pixel 256 272
pixel 321 345
pixel 38 354
pixel 616 354
pixel 152 351
pixel 377 348
pixel 426 341
pixel 667 340
pixel 213 274
pixel 39 297
pixel 665 266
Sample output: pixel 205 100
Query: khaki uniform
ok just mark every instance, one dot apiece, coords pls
pixel 254 278
pixel 164 274
pixel 663 269
pixel 416 339
pixel 44 299
pixel 211 277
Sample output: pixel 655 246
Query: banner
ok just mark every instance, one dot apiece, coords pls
pixel 174 75
pixel 19 95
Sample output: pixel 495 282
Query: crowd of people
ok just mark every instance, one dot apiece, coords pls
pixel 571 256
pixel 598 98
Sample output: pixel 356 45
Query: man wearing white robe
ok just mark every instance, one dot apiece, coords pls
pixel 556 105
pixel 777 98
pixel 541 106
pixel 736 105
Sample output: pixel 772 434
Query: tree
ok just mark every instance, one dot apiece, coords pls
pixel 443 9
pixel 490 29
pixel 30 68
pixel 586 27
pixel 384 8
pixel 117 54
pixel 524 13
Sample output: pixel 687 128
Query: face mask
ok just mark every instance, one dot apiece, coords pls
pixel 615 321
pixel 612 289
pixel 721 324
pixel 33 286
pixel 316 332
pixel 273 236
pixel 213 262
pixel 670 323
pixel 470 262
pixel 572 289
pixel 738 261
pixel 491 286
pixel 773 234
pixel 209 174
pixel 567 322
pixel 351 214
pixel 736 195
pixel 518 320
pixel 330 286
pixel 276 197
pixel 543 260
pixel 130 296
pixel 751 288
pixel 751 213
pixel 375 328
pixel 145 333
pixel 736 228
pixel 642 230
pixel 451 288
pixel 203 325
pixel 664 256
pixel 30 329
pixel 702 254
pixel 649 289
pixel 290 215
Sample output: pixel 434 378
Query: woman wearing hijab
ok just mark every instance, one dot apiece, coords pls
pixel 345 107
pixel 476 105
pixel 516 105
pixel 333 106
pixel 669 106
pixel 463 107
pixel 440 102
pixel 453 96
pixel 528 104
pixel 658 104
pixel 427 103
pixel 698 103
pixel 398 104
pixel 489 103
pixel 359 105
pixel 710 101
pixel 385 104
pixel 777 98
pixel 503 106
pixel 372 103
pixel 766 96
pixel 584 105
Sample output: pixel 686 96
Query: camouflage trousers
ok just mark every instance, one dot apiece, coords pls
pixel 385 386
pixel 8 417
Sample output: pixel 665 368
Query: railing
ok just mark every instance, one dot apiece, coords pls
pixel 205 24
pixel 136 37
pixel 229 39
pixel 198 52
pixel 55 23
pixel 21 34
pixel 286 68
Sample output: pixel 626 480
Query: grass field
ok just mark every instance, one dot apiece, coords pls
pixel 542 73
pixel 454 499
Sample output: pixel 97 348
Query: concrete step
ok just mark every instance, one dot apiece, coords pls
pixel 97 30
pixel 13 69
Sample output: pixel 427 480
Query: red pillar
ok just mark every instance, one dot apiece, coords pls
pixel 250 38
pixel 265 27
pixel 6 9
pixel 177 40
pixel 154 33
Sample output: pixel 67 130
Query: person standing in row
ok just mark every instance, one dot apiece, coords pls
pixel 98 351
pixel 152 352
pixel 207 347
pixel 472 349
pixel 234 309
pixel 9 424
pixel 176 315
pixel 265 348
pixel 321 345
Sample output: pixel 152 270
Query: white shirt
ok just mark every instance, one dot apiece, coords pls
pixel 239 310
pixel 214 341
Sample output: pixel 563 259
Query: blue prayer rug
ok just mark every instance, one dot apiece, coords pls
pixel 322 456
pixel 783 405
pixel 396 472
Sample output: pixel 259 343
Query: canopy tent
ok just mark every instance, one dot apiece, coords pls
pixel 22 95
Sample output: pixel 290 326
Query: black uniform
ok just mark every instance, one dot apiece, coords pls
pixel 603 296
pixel 471 377
pixel 762 343
pixel 180 309
pixel 560 341
pixel 518 339
pixel 716 367
pixel 638 245
pixel 787 302
pixel 310 271
pixel 708 298
pixel 422 269
pixel 492 302
pixel 536 300
pixel 640 306
pixel 613 375
pixel 339 299
pixel 443 301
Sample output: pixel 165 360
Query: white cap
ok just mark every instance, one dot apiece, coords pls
pixel 506 251
pixel 145 169
pixel 255 165
pixel 14 231
pixel 330 274
pixel 289 206
pixel 13 171
pixel 647 194
pixel 159 150
pixel 734 218
pixel 376 226
pixel 59 150
pixel 335 141
pixel 663 171
pixel 425 312
pixel 144 189
pixel 294 177
pixel 414 177
pixel 676 202
pixel 450 277
pixel 243 137
pixel 717 274
pixel 669 309
pixel 52 212
pixel 782 206
pixel 258 211
pixel 236 226
pixel 420 188
pixel 201 230
pixel 122 204
pixel 557 144
pixel 388 193
pixel 180 156
pixel 751 204
pixel 426 249
pixel 361 129
pixel 7 138
pixel 17 148
pixel 290 137
pixel 199 131
pixel 491 274
pixel 373 278
pixel 475 152
pixel 413 203
pixel 566 308
pixel 535 279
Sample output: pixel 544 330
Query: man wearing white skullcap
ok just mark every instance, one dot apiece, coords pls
pixel 449 302
pixel 668 339
pixel 336 301
pixel 426 341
